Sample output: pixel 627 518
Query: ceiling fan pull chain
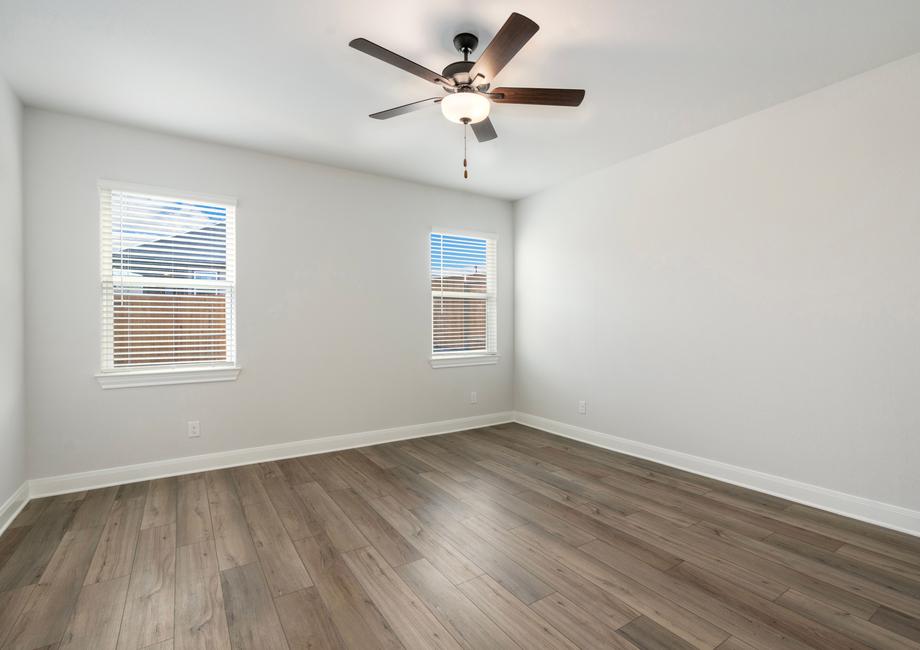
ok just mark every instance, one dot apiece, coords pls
pixel 465 127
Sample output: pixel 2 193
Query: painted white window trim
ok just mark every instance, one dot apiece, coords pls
pixel 105 184
pixel 455 361
pixel 166 376
pixel 460 232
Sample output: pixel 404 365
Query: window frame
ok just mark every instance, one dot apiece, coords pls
pixel 111 376
pixel 467 358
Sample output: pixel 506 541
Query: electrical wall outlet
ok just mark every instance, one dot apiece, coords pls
pixel 474 398
pixel 582 407
pixel 194 429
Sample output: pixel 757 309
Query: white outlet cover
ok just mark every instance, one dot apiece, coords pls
pixel 583 407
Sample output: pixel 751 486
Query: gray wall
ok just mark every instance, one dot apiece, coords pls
pixel 333 308
pixel 749 295
pixel 12 400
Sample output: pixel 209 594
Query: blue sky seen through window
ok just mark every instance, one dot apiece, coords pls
pixel 456 255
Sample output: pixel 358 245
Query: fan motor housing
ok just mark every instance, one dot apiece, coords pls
pixel 459 72
pixel 456 68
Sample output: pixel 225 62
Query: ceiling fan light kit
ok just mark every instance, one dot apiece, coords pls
pixel 466 84
pixel 465 107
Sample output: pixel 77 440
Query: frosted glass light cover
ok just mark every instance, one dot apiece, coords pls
pixel 468 105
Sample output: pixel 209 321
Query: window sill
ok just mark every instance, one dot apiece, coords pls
pixel 464 360
pixel 162 377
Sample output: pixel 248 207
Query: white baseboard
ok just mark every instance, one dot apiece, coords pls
pixel 13 506
pixel 189 464
pixel 875 512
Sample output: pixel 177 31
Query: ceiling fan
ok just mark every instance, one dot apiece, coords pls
pixel 468 95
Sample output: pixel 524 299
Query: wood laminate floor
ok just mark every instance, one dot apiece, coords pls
pixel 503 537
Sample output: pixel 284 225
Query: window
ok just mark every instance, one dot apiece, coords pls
pixel 463 297
pixel 168 287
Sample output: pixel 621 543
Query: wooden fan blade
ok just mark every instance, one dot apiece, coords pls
pixel 484 130
pixel 401 62
pixel 513 35
pixel 543 96
pixel 406 108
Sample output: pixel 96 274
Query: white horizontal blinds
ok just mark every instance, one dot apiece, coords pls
pixel 168 281
pixel 463 294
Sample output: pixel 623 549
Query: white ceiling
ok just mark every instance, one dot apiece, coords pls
pixel 277 75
